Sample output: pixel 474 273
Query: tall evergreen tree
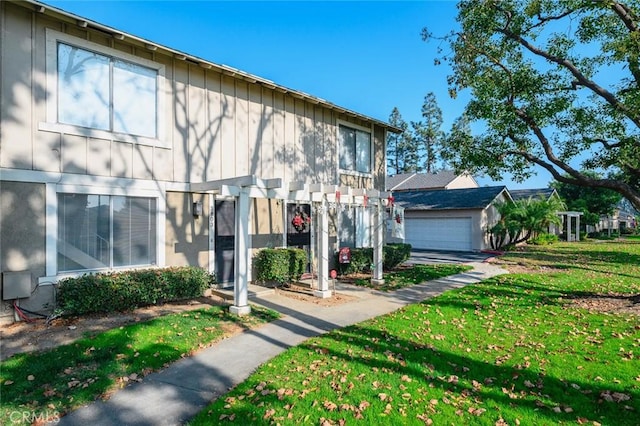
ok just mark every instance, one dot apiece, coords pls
pixel 399 150
pixel 428 134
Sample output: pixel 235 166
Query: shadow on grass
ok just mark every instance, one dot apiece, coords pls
pixel 92 367
pixel 513 392
pixel 588 260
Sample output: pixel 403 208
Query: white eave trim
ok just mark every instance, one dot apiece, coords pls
pixel 224 69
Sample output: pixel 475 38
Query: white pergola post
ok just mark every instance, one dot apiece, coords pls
pixel 378 243
pixel 241 286
pixel 577 227
pixel 323 251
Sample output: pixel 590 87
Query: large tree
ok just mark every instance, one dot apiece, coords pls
pixel 592 202
pixel 428 134
pixel 554 83
pixel 402 155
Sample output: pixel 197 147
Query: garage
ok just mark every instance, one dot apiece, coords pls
pixel 439 233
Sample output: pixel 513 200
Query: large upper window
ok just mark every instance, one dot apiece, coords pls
pixel 355 150
pixel 105 93
pixel 103 231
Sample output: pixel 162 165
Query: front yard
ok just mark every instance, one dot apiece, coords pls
pixel 44 385
pixel 556 343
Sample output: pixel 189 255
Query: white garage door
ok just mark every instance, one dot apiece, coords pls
pixel 439 233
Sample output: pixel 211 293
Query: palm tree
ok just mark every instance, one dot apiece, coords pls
pixel 523 219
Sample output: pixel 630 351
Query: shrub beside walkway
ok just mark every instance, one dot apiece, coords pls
pixel 179 392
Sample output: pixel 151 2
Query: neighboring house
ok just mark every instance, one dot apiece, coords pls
pixel 444 179
pixel 622 219
pixel 570 220
pixel 121 153
pixel 454 219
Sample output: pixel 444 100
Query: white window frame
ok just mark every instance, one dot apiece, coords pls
pixel 111 188
pixel 51 125
pixel 371 146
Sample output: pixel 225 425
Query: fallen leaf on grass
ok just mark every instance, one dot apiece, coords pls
pixel 476 411
pixel 330 405
pixel 269 414
pixel 614 396
pixel 427 421
pixel 49 393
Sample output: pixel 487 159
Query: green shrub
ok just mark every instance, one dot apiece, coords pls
pixel 361 262
pixel 124 291
pixel 280 265
pixel 362 258
pixel 297 263
pixel 395 254
pixel 543 239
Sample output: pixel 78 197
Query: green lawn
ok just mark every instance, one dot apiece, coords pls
pixel 50 383
pixel 411 275
pixel 515 349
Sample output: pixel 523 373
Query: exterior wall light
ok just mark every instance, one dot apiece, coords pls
pixel 197 208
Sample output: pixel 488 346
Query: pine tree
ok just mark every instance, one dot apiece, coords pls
pixel 428 134
pixel 399 155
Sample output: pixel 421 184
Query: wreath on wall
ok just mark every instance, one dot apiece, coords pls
pixel 301 221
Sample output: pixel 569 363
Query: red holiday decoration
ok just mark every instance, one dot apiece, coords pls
pixel 300 221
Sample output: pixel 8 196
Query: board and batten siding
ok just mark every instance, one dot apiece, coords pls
pixel 215 126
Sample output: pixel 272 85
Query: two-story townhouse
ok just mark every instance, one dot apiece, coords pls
pixel 117 152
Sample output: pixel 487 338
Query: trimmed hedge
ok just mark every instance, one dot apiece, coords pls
pixel 394 255
pixel 124 291
pixel 362 258
pixel 280 265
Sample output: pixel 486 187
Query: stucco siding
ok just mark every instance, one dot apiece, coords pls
pixel 22 237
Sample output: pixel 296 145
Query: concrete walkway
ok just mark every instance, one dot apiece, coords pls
pixel 176 394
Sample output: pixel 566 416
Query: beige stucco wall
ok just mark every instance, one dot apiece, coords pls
pixel 215 126
pixel 186 236
pixel 22 239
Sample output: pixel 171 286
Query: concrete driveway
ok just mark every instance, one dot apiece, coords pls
pixel 430 257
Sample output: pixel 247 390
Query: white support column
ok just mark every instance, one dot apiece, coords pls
pixel 378 244
pixel 578 227
pixel 241 285
pixel 212 233
pixel 323 251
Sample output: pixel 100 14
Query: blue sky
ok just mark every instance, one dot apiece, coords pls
pixel 364 56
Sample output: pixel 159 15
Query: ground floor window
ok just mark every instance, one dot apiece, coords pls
pixel 355 227
pixel 105 231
